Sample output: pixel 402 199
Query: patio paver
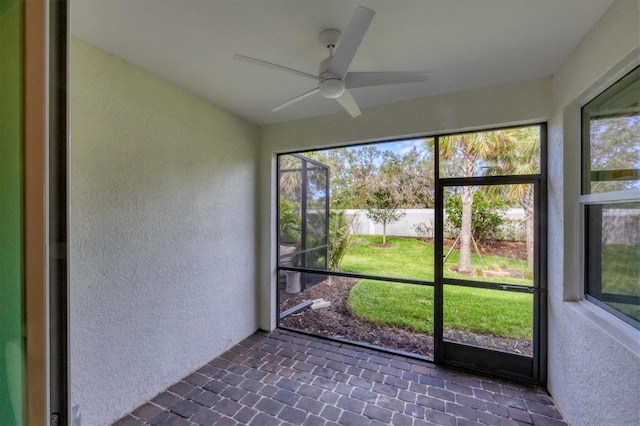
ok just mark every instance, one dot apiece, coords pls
pixel 285 378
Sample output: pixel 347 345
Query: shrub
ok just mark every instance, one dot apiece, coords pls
pixel 290 222
pixel 487 215
pixel 339 237
pixel 423 231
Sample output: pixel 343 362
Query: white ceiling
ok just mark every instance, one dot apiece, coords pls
pixel 465 44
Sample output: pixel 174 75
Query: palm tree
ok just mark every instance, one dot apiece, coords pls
pixel 523 159
pixel 471 149
pixel 290 181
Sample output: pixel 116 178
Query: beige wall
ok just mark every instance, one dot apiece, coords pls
pixel 162 233
pixel 594 358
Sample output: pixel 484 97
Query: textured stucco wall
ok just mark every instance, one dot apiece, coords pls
pixel 162 233
pixel 594 359
pixel 514 103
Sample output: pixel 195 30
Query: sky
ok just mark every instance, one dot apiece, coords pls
pixel 404 146
pixel 399 147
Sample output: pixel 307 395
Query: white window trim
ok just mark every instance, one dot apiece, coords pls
pixel 615 327
pixel 611 197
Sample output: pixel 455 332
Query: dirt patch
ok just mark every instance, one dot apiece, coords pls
pixel 521 347
pixel 337 321
pixel 509 249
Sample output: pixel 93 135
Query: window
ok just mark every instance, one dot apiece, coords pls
pixel 359 229
pixel 611 198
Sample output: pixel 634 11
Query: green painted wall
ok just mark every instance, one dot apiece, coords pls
pixel 11 244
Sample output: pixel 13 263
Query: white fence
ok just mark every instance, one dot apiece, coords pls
pixel 620 226
pixel 420 223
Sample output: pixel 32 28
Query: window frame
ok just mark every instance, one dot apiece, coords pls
pixel 538 290
pixel 586 199
pixel 542 176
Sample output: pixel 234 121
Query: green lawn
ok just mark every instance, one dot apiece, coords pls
pixel 620 268
pixel 411 306
pixel 411 258
pixel 620 275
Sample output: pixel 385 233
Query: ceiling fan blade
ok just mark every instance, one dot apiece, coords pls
pixel 274 66
pixel 349 104
pixel 296 99
pixel 355 80
pixel 341 60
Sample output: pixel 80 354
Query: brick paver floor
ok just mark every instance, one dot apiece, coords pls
pixel 284 378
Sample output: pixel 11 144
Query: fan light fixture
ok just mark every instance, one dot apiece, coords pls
pixel 331 88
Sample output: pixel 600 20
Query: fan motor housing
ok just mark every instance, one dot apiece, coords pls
pixel 330 37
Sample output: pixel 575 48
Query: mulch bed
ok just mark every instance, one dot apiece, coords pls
pixel 509 249
pixel 337 321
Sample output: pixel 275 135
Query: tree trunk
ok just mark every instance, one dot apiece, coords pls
pixel 464 261
pixel 384 233
pixel 528 206
pixel 466 195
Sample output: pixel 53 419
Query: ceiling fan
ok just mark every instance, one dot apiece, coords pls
pixel 334 79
